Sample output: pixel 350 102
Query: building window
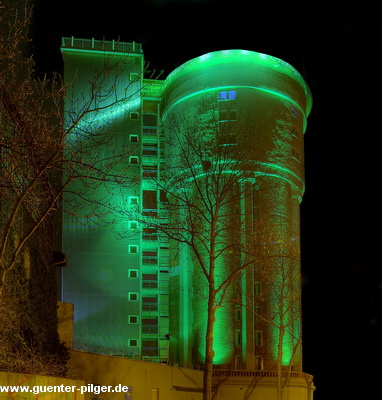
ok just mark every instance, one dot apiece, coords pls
pixel 227 139
pixel 134 77
pixel 133 319
pixel 237 313
pixel 258 362
pixel 134 138
pixel 149 171
pixel 133 249
pixel 149 325
pixel 150 149
pixel 133 273
pixel 133 342
pixel 227 95
pixel 257 289
pixel 258 313
pixel 154 394
pixel 150 203
pixel 150 281
pixel 150 257
pixel 133 225
pixel 237 361
pixel 150 234
pixel 295 132
pixel 133 296
pixel 134 115
pixel 295 154
pixel 237 337
pixel 150 124
pixel 133 200
pixel 258 338
pixel 149 303
pixel 150 347
pixel 133 160
pixel 294 112
pixel 227 115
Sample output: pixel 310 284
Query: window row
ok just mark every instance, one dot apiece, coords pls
pixel 258 338
pixel 149 346
pixel 257 312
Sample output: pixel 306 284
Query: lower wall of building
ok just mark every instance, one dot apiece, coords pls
pixel 255 385
pixel 127 379
pixel 145 380
pixel 153 381
pixel 33 387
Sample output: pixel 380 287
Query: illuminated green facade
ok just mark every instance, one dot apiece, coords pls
pixel 128 294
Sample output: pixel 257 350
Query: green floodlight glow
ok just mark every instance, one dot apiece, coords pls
pixel 256 173
pixel 105 116
pixel 260 89
pixel 231 56
pixel 287 348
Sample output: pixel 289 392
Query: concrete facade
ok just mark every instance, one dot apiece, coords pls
pixel 135 304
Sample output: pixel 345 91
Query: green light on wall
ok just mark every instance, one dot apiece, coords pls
pixel 223 340
pixel 287 348
pixel 232 56
pixel 259 89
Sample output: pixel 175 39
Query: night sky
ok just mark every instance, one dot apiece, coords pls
pixel 337 51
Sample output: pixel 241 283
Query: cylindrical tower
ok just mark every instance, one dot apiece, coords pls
pixel 251 110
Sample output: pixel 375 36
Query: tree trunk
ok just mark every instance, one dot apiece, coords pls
pixel 279 363
pixel 209 359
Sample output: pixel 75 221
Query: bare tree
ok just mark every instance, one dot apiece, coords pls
pixel 47 152
pixel 210 187
pixel 277 303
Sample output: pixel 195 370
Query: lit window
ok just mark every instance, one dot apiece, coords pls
pixel 133 249
pixel 227 95
pixel 133 319
pixel 133 273
pixel 133 296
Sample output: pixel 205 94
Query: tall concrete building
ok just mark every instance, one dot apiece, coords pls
pixel 144 296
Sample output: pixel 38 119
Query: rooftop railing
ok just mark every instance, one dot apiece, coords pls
pixel 101 45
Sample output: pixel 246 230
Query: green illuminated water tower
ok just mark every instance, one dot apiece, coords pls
pixel 128 295
pixel 268 99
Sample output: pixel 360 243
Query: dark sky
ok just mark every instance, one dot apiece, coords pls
pixel 337 50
